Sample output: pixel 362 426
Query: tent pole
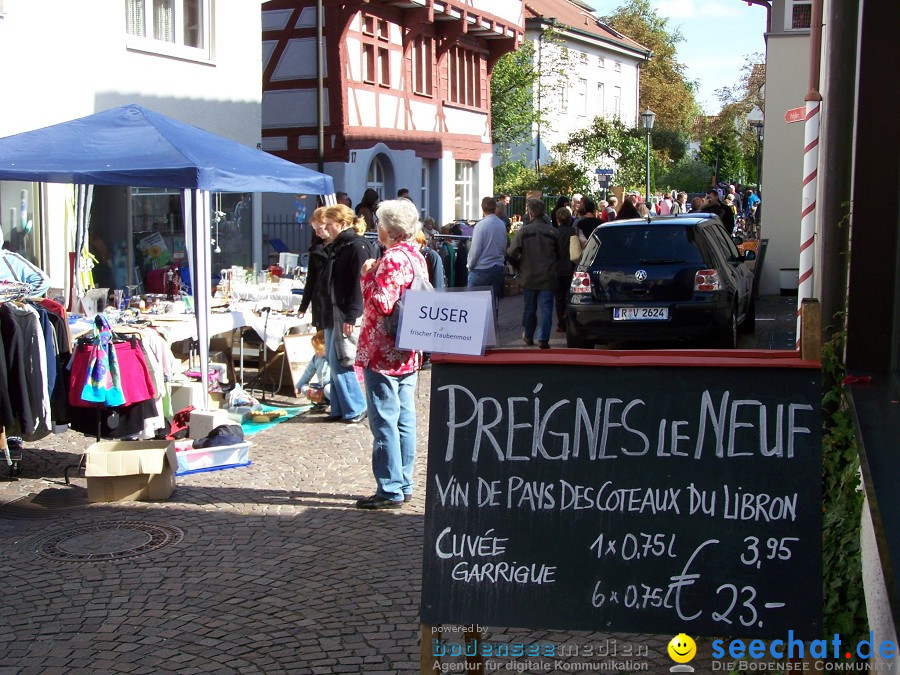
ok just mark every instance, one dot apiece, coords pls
pixel 320 88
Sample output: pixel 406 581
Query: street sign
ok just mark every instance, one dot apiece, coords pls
pixel 795 115
pixel 605 172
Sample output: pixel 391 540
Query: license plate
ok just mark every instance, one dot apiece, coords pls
pixel 640 313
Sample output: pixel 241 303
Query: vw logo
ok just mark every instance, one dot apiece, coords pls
pixel 641 275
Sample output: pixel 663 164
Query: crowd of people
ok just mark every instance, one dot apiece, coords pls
pixel 355 281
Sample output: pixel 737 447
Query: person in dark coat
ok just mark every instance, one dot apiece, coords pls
pixel 347 252
pixel 315 291
pixel 565 268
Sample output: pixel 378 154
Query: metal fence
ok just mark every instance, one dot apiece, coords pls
pixel 285 228
pixel 517 204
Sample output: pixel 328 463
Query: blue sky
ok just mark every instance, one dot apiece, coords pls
pixel 719 35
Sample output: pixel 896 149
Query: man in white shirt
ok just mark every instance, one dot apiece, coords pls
pixel 487 254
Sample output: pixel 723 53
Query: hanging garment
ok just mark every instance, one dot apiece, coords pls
pixel 134 384
pixel 100 381
pixel 26 362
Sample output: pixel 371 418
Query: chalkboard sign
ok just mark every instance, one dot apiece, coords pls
pixel 660 499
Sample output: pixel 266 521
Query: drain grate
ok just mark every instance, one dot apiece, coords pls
pixel 107 541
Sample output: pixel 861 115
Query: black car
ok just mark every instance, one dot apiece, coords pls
pixel 665 278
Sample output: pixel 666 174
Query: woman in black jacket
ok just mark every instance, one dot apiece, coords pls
pixel 315 290
pixel 347 252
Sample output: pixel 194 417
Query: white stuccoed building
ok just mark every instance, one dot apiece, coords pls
pixel 603 80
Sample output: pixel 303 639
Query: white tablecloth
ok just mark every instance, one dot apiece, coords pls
pixel 284 295
pixel 271 329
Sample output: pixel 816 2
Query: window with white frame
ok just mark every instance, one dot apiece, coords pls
pixel 422 68
pixel 426 181
pixel 601 98
pixel 617 67
pixel 375 177
pixel 464 184
pixel 564 97
pixel 581 106
pixel 179 27
pixel 601 62
pixel 617 102
pixel 798 14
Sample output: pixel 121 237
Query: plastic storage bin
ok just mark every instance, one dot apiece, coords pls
pixel 195 460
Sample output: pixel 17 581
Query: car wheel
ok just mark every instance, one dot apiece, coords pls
pixel 748 325
pixel 728 339
pixel 575 341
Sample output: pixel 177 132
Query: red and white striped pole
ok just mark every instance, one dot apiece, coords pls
pixel 810 164
pixel 808 212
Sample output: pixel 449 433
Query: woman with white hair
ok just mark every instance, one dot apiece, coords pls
pixel 390 373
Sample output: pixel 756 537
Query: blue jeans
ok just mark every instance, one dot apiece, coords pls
pixel 495 277
pixel 537 302
pixel 392 419
pixel 347 399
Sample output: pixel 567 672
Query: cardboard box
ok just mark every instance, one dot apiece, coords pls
pixel 213 459
pixel 203 422
pixel 185 394
pixel 120 471
pixel 191 393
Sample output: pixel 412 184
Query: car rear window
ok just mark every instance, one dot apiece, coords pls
pixel 647 245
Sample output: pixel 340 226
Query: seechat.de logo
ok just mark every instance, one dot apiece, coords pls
pixel 682 649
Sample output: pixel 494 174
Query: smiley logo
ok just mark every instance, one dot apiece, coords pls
pixel 682 648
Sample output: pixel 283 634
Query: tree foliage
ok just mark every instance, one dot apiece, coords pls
pixel 512 82
pixel 687 175
pixel 514 178
pixel 724 151
pixel 607 143
pixel 519 81
pixel 664 86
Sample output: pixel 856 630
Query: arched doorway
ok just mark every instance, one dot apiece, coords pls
pixel 380 176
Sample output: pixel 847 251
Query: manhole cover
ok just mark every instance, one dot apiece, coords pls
pixel 107 541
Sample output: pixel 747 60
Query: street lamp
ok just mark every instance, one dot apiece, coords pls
pixel 647 119
pixel 758 127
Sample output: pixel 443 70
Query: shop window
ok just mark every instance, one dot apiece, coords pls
pixel 158 234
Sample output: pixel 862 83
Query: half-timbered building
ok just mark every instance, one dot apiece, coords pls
pixel 405 97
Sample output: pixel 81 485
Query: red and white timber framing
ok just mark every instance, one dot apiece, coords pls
pixel 808 204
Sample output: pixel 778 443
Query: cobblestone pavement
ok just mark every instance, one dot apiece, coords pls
pixel 262 569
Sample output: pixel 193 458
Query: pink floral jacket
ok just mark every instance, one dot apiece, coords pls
pixel 376 349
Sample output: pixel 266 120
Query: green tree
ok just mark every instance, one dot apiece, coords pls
pixel 723 150
pixel 687 175
pixel 521 79
pixel 512 82
pixel 608 142
pixel 514 178
pixel 739 101
pixel 664 86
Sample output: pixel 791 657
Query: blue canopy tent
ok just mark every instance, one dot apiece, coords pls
pixel 134 146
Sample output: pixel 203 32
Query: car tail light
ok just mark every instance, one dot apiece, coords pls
pixel 581 283
pixel 706 280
